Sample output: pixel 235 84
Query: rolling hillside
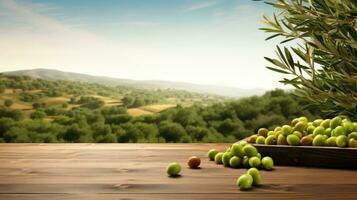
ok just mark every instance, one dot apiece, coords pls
pixel 48 74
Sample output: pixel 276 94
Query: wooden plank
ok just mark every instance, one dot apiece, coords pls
pixel 137 171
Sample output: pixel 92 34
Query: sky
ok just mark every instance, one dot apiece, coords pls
pixel 215 42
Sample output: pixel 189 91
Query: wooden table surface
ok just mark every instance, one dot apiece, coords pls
pixel 137 171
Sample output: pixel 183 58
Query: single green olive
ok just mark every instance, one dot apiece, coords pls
pixel 298 133
pixel 225 158
pixel 270 140
pixel 212 153
pixel 272 133
pixel 278 128
pixel 245 182
pixel 259 155
pixel 319 140
pixel 235 162
pixel 286 129
pixel 293 140
pixel 237 150
pixel 341 141
pixel 303 119
pixel 254 172
pixel 254 162
pixel 331 141
pixel 267 163
pixel 335 122
pixel 320 130
pixel 218 158
pixel 260 140
pixel 348 125
pixel 250 150
pixel 173 169
pixel 317 122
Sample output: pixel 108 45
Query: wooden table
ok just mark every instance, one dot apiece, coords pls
pixel 137 171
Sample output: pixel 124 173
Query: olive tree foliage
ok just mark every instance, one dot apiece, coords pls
pixel 317 51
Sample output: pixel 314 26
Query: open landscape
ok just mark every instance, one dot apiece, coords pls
pixel 179 99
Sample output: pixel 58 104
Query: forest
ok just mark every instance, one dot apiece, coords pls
pixel 84 116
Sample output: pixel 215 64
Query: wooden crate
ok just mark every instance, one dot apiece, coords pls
pixel 312 156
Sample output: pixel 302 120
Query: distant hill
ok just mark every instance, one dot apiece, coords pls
pixel 50 74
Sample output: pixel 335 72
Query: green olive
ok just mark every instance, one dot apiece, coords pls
pixel 331 141
pixel 282 140
pixel 278 128
pixel 319 140
pixel 218 158
pixel 212 153
pixel 270 140
pixel 260 140
pixel 268 163
pixel 254 162
pixel 355 126
pixel 259 155
pixel 341 141
pixel 286 129
pixel 303 119
pixel 310 129
pixel 300 126
pixel 317 122
pixel 237 150
pixel 250 150
pixel 298 133
pixel 320 130
pixel 245 162
pixel 293 140
pixel 245 182
pixel 326 123
pixel 272 133
pixel 335 122
pixel 254 172
pixel 263 132
pixel 225 158
pixel 352 135
pixel 352 143
pixel 173 169
pixel 339 130
pixel 306 141
pixel 235 162
pixel 348 125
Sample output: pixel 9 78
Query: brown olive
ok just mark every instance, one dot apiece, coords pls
pixel 193 162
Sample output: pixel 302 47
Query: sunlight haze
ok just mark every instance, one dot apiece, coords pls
pixel 203 42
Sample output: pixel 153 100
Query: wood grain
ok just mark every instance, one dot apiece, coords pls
pixel 137 171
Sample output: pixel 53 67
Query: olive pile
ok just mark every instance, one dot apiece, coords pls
pixel 336 132
pixel 243 155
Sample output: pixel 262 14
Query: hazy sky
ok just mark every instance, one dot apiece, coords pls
pixel 199 41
